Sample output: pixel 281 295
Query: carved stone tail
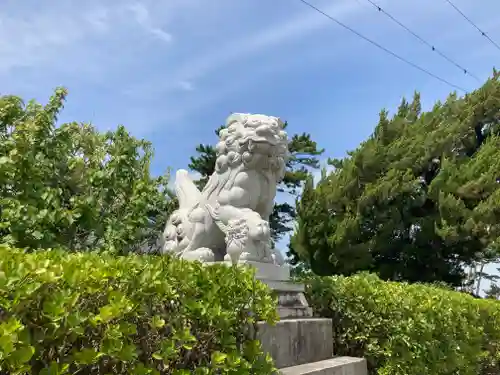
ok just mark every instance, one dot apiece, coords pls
pixel 186 190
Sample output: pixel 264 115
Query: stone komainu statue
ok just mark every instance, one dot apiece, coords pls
pixel 229 219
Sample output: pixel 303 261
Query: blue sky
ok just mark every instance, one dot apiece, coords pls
pixel 171 71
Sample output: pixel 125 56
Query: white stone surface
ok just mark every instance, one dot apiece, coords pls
pixel 267 271
pixel 229 219
pixel 334 366
pixel 292 342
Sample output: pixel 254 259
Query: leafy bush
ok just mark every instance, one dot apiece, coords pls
pixel 89 313
pixel 404 329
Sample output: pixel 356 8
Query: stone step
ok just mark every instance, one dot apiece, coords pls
pixel 292 342
pixel 333 366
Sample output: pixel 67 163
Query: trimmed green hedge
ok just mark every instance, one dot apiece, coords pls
pixel 404 329
pixel 96 314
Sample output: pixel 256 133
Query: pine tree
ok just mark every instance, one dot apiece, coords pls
pixel 418 201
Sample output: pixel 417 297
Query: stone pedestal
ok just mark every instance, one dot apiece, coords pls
pixel 299 343
pixel 291 300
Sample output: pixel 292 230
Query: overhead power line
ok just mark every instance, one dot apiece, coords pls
pixel 386 50
pixel 473 24
pixel 422 40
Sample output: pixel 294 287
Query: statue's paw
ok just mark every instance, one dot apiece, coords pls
pixel 203 254
pixel 169 247
pixel 227 258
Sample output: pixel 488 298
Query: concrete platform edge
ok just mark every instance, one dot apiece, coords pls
pixel 333 366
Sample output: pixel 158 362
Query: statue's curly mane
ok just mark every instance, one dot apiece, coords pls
pixel 251 140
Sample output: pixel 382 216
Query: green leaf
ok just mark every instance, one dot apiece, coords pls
pixel 218 358
pixel 128 353
pixel 22 354
pixel 4 160
pixel 86 356
pixel 106 313
pixel 157 355
pixel 55 369
pixel 157 322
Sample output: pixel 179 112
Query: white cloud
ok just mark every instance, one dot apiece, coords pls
pixel 98 18
pixel 186 85
pixel 41 35
pixel 29 41
pixel 237 49
pixel 143 18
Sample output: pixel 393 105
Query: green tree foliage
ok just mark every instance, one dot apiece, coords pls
pixel 98 314
pixel 417 201
pixel 408 329
pixel 304 157
pixel 73 187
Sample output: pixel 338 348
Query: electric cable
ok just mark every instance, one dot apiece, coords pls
pixel 473 24
pixel 422 40
pixel 379 46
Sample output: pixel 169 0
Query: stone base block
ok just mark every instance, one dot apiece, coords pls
pixel 266 271
pixel 294 342
pixel 291 300
pixel 334 366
